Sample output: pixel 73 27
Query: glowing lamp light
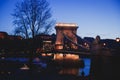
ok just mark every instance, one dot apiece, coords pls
pixel 117 39
pixel 85 44
pixel 104 44
pixel 49 54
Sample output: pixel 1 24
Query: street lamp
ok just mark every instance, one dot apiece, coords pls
pixel 117 39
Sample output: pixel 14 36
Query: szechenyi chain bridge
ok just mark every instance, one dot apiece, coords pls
pixel 64 48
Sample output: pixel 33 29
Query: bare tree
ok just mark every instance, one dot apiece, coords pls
pixel 32 17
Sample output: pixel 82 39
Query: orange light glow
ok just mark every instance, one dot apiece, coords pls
pixel 59 46
pixel 49 54
pixel 58 56
pixel 43 54
pixel 66 56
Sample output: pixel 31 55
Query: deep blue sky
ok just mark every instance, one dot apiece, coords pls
pixel 94 17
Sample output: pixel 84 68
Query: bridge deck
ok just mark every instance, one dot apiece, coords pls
pixel 80 53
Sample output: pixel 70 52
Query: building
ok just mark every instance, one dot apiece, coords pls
pixel 3 35
pixel 47 42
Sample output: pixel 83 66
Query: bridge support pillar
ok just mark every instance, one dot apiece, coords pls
pixel 66 30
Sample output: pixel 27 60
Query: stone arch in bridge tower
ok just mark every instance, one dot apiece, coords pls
pixel 67 30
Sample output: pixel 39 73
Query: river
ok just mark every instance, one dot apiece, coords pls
pixel 97 67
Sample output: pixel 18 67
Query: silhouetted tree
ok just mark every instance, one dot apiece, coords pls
pixel 32 17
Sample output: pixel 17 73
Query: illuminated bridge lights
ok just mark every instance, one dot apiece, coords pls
pixel 66 24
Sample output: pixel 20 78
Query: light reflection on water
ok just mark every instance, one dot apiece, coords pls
pixel 78 71
pixel 69 71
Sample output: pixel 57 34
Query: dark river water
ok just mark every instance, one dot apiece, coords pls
pixel 76 71
pixel 86 69
pixel 96 67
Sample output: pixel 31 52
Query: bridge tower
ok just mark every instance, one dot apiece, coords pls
pixel 67 30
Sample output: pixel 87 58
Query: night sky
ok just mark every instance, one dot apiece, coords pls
pixel 94 17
